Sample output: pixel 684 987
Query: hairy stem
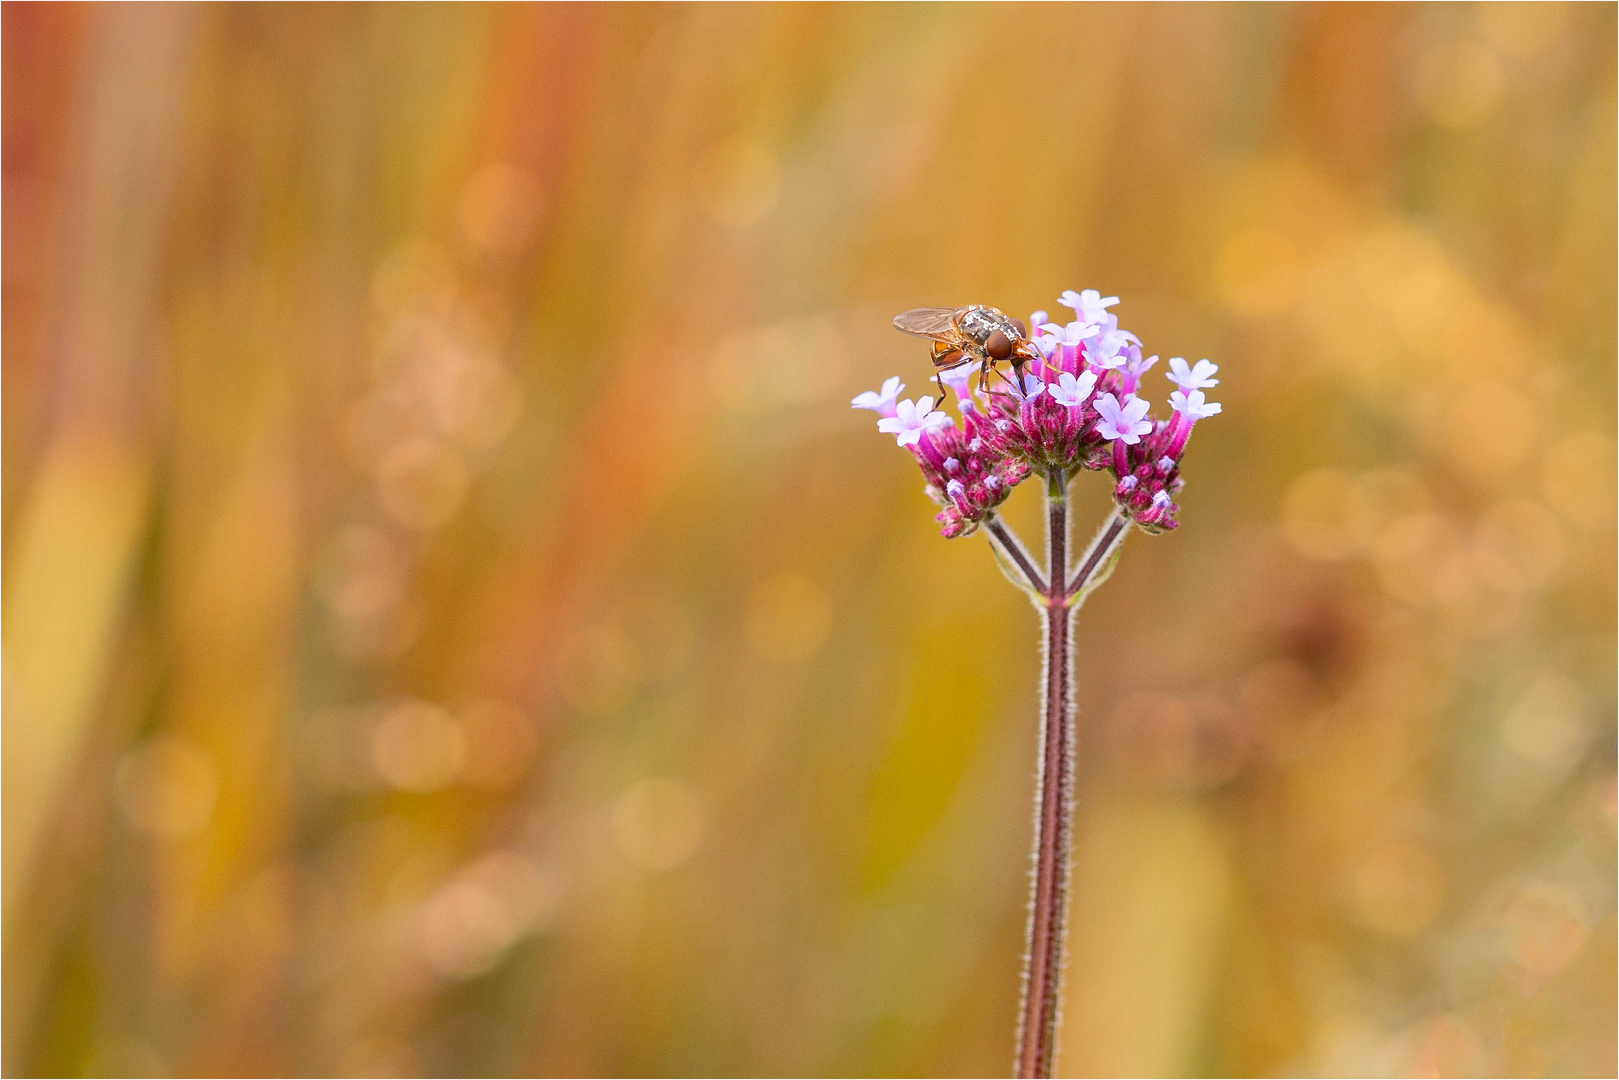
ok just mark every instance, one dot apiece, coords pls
pixel 1042 971
pixel 1097 562
pixel 1006 543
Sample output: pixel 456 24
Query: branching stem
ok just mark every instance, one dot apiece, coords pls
pixel 1007 543
pixel 1097 562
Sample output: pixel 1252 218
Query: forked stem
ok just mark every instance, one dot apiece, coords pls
pixel 1097 562
pixel 1008 547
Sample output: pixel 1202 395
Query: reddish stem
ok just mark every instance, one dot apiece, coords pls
pixel 1042 980
pixel 1101 550
pixel 1014 551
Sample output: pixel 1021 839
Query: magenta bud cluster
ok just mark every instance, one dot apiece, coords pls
pixel 966 473
pixel 1077 407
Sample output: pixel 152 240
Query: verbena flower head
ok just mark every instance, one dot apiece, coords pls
pixel 1147 469
pixel 1079 407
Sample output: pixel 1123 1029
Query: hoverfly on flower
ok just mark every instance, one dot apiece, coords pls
pixel 972 334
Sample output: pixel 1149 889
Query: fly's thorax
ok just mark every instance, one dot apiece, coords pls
pixel 978 323
pixel 994 336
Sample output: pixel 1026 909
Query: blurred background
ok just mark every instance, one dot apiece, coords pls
pixel 454 624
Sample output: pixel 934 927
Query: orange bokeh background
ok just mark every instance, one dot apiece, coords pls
pixel 454 625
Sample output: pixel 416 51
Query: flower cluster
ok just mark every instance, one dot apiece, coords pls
pixel 1077 407
pixel 965 473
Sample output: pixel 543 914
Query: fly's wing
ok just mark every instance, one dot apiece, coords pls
pixel 930 322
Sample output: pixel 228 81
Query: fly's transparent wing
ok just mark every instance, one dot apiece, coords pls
pixel 930 322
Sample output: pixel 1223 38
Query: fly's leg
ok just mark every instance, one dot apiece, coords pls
pixel 1018 360
pixel 1017 386
pixel 941 351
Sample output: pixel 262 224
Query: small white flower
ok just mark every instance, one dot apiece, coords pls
pixel 913 419
pixel 1198 377
pixel 880 401
pixel 1068 390
pixel 1123 422
pixel 1129 483
pixel 1105 350
pixel 1192 406
pixel 1136 365
pixel 1090 305
pixel 1039 318
pixel 955 489
pixel 1072 334
pixel 1160 498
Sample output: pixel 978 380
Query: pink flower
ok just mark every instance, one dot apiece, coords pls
pixel 1136 367
pixel 1105 350
pixel 913 419
pixel 1124 422
pixel 1089 305
pixel 1072 334
pixel 1070 391
pixel 1189 409
pixel 1192 406
pixel 1198 377
pixel 880 402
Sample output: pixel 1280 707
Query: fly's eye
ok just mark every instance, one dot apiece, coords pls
pixel 1022 331
pixel 998 345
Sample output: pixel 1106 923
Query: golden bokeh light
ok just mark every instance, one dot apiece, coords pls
pixel 454 623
